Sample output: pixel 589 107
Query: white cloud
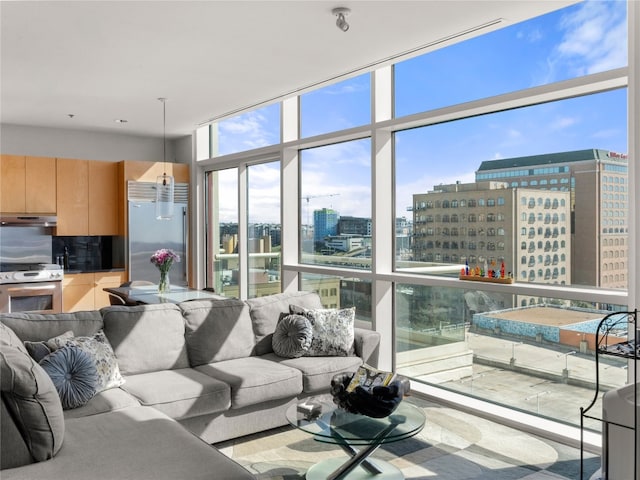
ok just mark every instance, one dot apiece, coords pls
pixel 245 132
pixel 594 38
pixel 563 122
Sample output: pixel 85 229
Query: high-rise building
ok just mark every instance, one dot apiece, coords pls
pixel 325 224
pixel 599 200
pixel 354 226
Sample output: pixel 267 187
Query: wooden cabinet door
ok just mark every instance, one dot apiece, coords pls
pixel 103 198
pixel 12 181
pixel 72 196
pixel 40 180
pixel 106 280
pixel 78 292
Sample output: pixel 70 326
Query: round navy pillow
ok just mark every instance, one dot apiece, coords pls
pixel 74 375
pixel 292 336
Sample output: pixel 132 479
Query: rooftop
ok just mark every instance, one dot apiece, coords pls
pixel 551 158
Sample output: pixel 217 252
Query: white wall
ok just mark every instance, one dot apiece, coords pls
pixel 68 143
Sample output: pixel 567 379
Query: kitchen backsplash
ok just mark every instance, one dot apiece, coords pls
pixel 89 254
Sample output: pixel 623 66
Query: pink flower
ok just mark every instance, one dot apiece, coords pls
pixel 164 258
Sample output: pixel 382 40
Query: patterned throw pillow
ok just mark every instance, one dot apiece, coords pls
pixel 292 337
pixel 74 375
pixel 333 333
pixel 100 350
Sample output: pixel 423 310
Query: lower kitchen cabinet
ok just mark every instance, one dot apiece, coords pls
pixel 85 291
pixel 106 280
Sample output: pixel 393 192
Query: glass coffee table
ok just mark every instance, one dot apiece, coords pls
pixel 329 424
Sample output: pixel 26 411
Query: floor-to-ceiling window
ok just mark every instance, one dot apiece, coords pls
pixel 515 161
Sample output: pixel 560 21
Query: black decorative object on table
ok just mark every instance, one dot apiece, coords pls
pixel 380 402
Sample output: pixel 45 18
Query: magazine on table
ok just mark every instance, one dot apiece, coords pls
pixel 368 377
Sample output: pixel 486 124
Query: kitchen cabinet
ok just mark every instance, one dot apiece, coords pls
pixel 85 291
pixel 103 199
pixel 88 200
pixel 73 197
pixel 104 280
pixel 28 184
pixel 77 292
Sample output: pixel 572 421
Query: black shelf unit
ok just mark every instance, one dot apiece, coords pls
pixel 609 334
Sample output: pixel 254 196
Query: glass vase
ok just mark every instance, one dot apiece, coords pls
pixel 164 286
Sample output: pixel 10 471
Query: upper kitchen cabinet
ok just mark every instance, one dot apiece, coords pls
pixel 28 184
pixel 87 198
pixel 73 197
pixel 103 199
pixel 141 171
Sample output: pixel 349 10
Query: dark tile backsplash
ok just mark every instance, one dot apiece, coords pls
pixel 89 254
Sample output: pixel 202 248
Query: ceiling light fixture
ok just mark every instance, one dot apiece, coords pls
pixel 341 13
pixel 164 183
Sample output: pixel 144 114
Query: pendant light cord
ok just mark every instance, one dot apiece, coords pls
pixel 164 139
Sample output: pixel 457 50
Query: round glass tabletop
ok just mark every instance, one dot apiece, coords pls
pixel 331 424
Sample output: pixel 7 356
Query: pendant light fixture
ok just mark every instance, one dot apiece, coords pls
pixel 164 183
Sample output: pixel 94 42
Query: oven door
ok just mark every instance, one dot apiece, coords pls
pixel 37 297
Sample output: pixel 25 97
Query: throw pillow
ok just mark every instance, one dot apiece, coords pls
pixel 333 333
pixel 39 350
pixel 101 352
pixel 293 336
pixel 74 375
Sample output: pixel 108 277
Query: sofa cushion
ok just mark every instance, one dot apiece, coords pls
pixel 73 373
pixel 146 338
pixel 217 330
pixel 99 349
pixel 9 338
pixel 318 371
pixel 105 401
pixel 332 330
pixel 14 450
pixel 292 337
pixel 255 380
pixel 265 313
pixel 32 401
pixel 137 443
pixel 180 393
pixel 37 327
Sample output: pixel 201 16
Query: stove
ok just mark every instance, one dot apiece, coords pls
pixel 31 287
pixel 30 272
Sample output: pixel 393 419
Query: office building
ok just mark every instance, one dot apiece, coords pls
pixel 487 224
pixel 597 181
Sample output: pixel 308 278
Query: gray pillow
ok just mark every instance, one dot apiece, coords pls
pixel 292 336
pixel 39 350
pixel 74 375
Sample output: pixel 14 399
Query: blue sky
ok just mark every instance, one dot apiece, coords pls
pixel 586 38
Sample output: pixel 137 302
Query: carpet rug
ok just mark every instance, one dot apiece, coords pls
pixel 452 446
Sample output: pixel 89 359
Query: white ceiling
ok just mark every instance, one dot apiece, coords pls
pixel 108 60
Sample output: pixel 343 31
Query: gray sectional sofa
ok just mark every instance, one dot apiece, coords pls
pixel 191 375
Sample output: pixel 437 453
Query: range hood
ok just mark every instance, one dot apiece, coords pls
pixel 26 220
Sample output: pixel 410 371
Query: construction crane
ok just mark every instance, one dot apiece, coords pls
pixel 308 197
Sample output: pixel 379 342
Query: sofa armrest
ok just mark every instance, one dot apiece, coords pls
pixel 366 343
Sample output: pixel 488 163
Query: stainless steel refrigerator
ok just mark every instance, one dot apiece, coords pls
pixel 146 234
